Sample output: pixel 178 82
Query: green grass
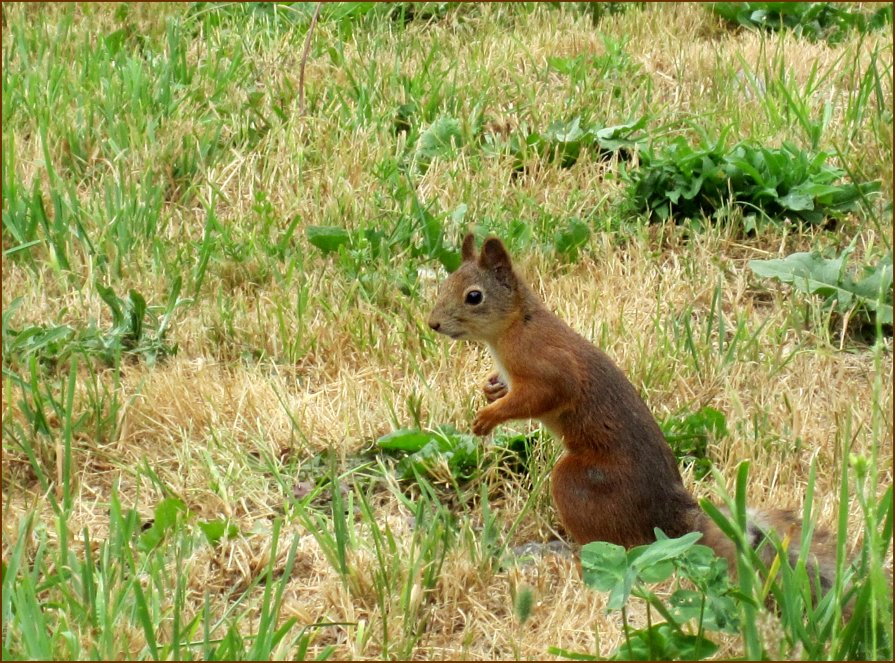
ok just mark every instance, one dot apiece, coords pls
pixel 209 296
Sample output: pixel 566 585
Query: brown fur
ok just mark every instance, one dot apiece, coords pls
pixel 618 478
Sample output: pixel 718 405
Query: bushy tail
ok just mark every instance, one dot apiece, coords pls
pixel 785 525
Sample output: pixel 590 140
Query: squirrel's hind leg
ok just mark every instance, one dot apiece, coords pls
pixel 593 506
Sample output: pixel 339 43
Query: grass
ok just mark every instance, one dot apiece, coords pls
pixel 185 336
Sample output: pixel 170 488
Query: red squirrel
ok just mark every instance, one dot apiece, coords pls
pixel 618 478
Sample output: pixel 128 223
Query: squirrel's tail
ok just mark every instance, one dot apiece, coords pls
pixel 786 525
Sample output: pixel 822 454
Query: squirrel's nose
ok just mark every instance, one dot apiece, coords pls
pixel 434 325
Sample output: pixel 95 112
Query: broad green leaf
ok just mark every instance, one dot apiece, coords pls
pixel 565 65
pixel 796 201
pixel 618 130
pixel 137 311
pixel 662 642
pixel 34 339
pixel 458 213
pixel 215 530
pixel 405 439
pixel 694 188
pixel 743 164
pixel 603 564
pixel 565 132
pixel 570 239
pixel 656 572
pixel 165 519
pixel 808 272
pixel 876 286
pixel 450 259
pixel 767 193
pixel 327 238
pixel 817 190
pixel 814 274
pixel 426 450
pixel 719 612
pixel 621 591
pixel 661 550
pixel 440 139
pixel 166 512
pixel 111 299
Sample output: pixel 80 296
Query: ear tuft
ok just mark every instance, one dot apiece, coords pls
pixel 468 250
pixel 494 255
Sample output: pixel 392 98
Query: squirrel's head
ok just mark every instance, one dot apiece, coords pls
pixel 478 300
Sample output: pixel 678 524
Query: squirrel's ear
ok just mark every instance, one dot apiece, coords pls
pixel 468 250
pixel 494 256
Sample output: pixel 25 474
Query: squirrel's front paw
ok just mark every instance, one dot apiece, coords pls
pixel 484 422
pixel 495 387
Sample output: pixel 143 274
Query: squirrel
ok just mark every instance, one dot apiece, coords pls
pixel 618 478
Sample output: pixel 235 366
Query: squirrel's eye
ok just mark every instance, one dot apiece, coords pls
pixel 474 297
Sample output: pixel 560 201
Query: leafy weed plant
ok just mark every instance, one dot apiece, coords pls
pixel 136 331
pixel 683 182
pixel 828 21
pixel 867 294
